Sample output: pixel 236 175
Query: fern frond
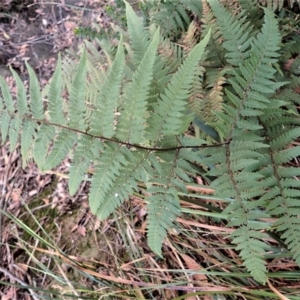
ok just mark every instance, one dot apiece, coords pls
pixel 127 110
pixel 243 152
pixel 256 73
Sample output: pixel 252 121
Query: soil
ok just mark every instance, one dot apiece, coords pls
pixel 36 30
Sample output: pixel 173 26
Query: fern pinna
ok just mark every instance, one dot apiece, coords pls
pixel 126 114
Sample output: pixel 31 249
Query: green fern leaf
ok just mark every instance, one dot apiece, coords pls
pixel 61 146
pixel 77 96
pixel 54 97
pixel 163 208
pixel 124 185
pixel 173 102
pixel 5 121
pixel 6 96
pixel 103 116
pixel 13 133
pixel 21 95
pixel 84 153
pixel 106 173
pixel 235 31
pixel 138 35
pixel 40 149
pixel 27 137
pixel 131 124
pixel 36 104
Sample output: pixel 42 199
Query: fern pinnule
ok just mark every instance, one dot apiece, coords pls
pixel 5 121
pixel 163 208
pixel 215 51
pixel 173 17
pixel 6 97
pixel 86 149
pixel 27 139
pixel 7 108
pixel 13 132
pixel 211 101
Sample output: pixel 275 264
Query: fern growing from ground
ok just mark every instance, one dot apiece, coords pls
pixel 127 112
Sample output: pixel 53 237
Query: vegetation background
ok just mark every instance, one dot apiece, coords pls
pixel 111 259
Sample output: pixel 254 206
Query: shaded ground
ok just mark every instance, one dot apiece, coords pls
pixel 36 32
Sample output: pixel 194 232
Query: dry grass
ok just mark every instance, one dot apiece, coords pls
pixel 52 247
